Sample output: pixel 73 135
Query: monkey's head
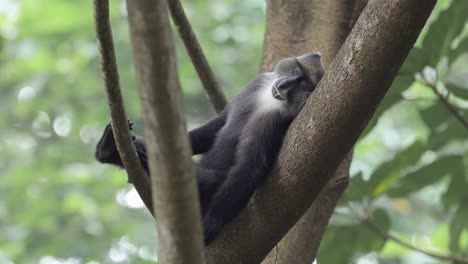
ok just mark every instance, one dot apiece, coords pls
pixel 296 79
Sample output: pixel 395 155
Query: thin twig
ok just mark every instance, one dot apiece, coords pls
pixel 205 73
pixel 135 171
pixel 373 227
pixel 448 105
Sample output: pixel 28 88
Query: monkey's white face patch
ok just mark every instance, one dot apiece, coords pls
pixel 266 101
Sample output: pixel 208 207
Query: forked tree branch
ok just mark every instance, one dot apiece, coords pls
pixel 175 195
pixel 194 50
pixel 302 241
pixel 123 139
pixel 326 129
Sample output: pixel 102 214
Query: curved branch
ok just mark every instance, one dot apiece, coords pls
pixel 123 139
pixel 326 129
pixel 374 228
pixel 205 73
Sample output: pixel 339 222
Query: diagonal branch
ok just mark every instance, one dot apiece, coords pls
pixel 302 241
pixel 446 103
pixel 123 140
pixel 374 228
pixel 326 129
pixel 205 73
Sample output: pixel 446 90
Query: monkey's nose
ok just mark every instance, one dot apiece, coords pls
pixel 276 94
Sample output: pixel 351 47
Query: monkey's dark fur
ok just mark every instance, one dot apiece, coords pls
pixel 240 145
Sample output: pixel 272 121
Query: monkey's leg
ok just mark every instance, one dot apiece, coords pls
pixel 209 181
pixel 256 155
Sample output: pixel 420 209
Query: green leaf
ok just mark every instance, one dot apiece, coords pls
pixel 357 189
pixel 358 239
pixel 452 129
pixel 385 175
pixel 442 68
pixel 389 172
pixel 2 44
pixel 426 175
pixel 442 33
pixel 458 225
pixel 457 187
pixel 443 124
pixel 460 49
pixel 413 64
pixel 434 115
pixel 457 78
pixel 459 90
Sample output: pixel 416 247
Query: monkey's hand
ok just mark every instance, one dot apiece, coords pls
pixel 212 225
pixel 106 149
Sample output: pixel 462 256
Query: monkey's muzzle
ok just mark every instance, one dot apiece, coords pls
pixel 276 94
pixel 283 85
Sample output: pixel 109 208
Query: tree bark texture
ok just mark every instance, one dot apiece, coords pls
pixel 326 129
pixel 301 243
pixel 297 26
pixel 175 196
pixel 110 73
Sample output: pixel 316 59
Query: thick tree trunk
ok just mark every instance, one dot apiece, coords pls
pixel 326 27
pixel 326 129
pixel 299 26
pixel 301 243
pixel 175 197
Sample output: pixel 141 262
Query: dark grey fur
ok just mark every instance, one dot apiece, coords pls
pixel 240 145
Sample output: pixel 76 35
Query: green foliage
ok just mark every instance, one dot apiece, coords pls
pixel 414 170
pixel 441 35
pixel 57 205
pixel 56 202
pixel 354 240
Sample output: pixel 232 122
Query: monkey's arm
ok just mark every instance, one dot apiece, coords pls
pixel 202 138
pixel 255 155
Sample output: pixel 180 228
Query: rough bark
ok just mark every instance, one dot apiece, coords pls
pixel 297 26
pixel 110 73
pixel 175 197
pixel 301 243
pixel 326 129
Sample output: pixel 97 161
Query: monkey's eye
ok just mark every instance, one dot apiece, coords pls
pixel 297 72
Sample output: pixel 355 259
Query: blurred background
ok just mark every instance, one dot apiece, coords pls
pixel 57 205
